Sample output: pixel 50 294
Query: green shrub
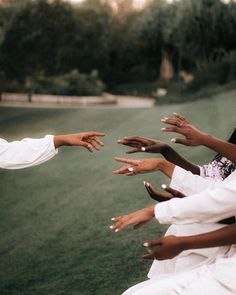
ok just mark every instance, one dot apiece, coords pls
pixel 72 83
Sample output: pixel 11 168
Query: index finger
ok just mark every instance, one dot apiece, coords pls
pixel 128 161
pixel 95 133
pixel 177 115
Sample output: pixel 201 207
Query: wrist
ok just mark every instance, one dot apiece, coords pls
pixel 59 140
pixel 184 243
pixel 151 210
pixel 206 139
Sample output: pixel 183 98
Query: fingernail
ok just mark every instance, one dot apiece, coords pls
pixel 144 182
pixel 173 140
pixel 148 184
pixel 163 120
pixel 164 186
pixel 145 244
pixel 131 169
pixel 111 227
pixel 113 218
pixel 162 129
pixel 166 118
pixel 143 149
pixel 116 230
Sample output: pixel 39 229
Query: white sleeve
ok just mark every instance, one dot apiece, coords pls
pixel 188 183
pixel 26 152
pixel 208 206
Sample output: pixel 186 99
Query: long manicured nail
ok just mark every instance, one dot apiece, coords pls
pixel 145 244
pixel 144 182
pixel 163 120
pixel 111 227
pixel 143 149
pixel 164 186
pixel 116 230
pixel 173 140
pixel 131 169
pixel 163 129
pixel 113 218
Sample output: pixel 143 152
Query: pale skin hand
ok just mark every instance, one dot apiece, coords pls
pixel 89 140
pixel 144 166
pixel 195 137
pixel 170 246
pixel 136 219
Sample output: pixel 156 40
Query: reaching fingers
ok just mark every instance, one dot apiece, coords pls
pixel 132 151
pixel 127 170
pixel 121 223
pixel 95 145
pixel 94 133
pixel 183 141
pixel 177 115
pixel 172 129
pixel 173 121
pixel 98 141
pixel 87 145
pixel 128 161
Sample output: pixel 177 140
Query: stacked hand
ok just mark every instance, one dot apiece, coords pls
pixel 162 196
pixel 193 136
pixel 142 144
pixel 89 140
pixel 164 248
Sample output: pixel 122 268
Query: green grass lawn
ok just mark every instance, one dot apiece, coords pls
pixel 54 218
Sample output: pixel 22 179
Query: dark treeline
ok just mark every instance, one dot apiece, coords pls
pixel 56 47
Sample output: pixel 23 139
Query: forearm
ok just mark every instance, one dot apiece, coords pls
pixel 222 237
pixel 224 148
pixel 60 140
pixel 172 156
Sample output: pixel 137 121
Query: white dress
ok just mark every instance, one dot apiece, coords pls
pixel 26 152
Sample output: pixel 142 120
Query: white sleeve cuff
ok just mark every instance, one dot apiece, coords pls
pixel 178 177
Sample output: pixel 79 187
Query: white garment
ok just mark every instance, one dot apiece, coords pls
pixel 217 278
pixel 213 201
pixel 26 152
pixel 218 201
pixel 195 257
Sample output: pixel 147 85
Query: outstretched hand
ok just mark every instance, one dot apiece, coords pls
pixel 164 248
pixel 137 219
pixel 137 166
pixel 89 140
pixel 162 196
pixel 142 144
pixel 193 136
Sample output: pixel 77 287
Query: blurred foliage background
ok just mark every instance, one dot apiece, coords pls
pixel 186 46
